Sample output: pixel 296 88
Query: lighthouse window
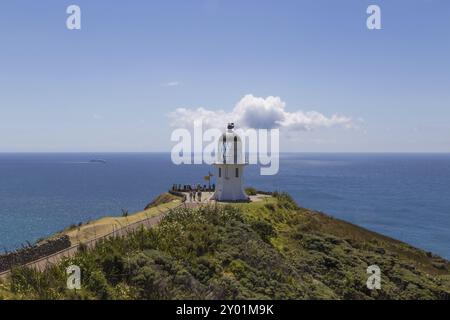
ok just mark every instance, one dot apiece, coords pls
pixel 220 172
pixel 237 172
pixel 224 143
pixel 235 152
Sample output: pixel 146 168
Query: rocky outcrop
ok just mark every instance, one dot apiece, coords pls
pixel 34 252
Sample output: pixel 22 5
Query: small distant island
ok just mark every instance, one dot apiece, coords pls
pixel 98 161
pixel 265 249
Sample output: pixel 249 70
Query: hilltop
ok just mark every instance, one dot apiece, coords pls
pixel 270 249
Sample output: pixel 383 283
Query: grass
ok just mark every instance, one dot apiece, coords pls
pixel 106 225
pixel 269 249
pixel 5 293
pixel 287 222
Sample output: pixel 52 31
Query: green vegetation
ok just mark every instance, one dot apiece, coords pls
pixel 162 199
pixel 86 231
pixel 269 249
pixel 251 191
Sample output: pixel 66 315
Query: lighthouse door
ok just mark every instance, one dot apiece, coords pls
pixel 226 173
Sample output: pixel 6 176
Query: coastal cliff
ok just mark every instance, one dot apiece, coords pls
pixel 270 249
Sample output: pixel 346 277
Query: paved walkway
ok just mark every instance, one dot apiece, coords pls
pixel 206 198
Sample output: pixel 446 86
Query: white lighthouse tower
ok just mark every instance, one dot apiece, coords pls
pixel 230 168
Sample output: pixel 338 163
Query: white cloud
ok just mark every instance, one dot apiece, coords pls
pixel 260 113
pixel 172 84
pixel 256 112
pixel 184 118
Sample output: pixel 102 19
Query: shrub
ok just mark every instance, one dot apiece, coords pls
pixel 285 200
pixel 219 252
pixel 264 229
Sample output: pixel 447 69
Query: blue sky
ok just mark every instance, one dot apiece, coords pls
pixel 111 85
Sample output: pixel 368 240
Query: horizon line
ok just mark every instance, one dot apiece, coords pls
pixel 168 152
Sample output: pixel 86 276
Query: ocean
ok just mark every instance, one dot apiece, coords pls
pixel 404 196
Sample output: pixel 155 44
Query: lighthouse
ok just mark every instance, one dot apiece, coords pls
pixel 230 167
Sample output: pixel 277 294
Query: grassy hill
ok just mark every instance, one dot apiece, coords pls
pixel 85 231
pixel 269 249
